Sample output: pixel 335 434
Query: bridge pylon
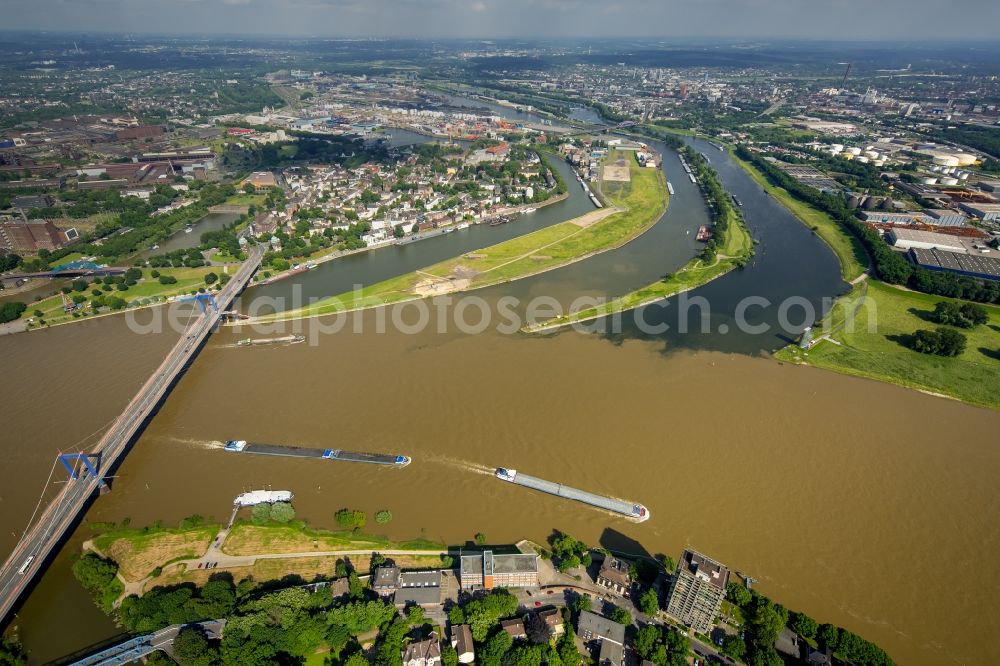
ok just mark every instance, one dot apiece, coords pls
pixel 89 462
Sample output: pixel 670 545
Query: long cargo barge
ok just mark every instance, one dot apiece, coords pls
pixel 287 339
pixel 670 187
pixel 243 446
pixel 636 512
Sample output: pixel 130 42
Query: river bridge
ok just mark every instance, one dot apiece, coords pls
pixel 135 649
pixel 88 471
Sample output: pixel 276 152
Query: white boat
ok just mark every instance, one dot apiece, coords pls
pixel 255 497
pixel 188 230
pixel 463 225
pixel 529 210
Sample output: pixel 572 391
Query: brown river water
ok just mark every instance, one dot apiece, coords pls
pixel 863 504
pixel 867 505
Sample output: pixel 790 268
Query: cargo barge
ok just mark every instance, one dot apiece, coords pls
pixel 670 188
pixel 243 446
pixel 636 512
pixel 288 340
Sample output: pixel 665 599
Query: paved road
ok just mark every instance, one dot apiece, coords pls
pixel 39 541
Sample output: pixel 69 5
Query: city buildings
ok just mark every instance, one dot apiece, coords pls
pixel 697 590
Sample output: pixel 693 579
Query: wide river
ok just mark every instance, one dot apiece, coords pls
pixel 862 504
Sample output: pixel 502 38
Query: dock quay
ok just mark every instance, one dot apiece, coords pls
pixel 243 446
pixel 636 512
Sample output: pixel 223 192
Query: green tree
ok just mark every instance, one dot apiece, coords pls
pixel 738 594
pixel 941 341
pixel 261 514
pixel 646 639
pixel 649 602
pixel 803 625
pixel 382 517
pixel 351 519
pixel 211 278
pixel 492 653
pixel 621 616
pixel 733 646
pixel 965 315
pixel 568 654
pixel 449 657
pixel 94 572
pixel 480 538
pixel 828 636
pixel 582 603
pixel 483 614
pixel 11 653
pixel 282 512
pixel 11 310
pixel 192 648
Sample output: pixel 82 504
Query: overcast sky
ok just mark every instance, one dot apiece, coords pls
pixel 809 19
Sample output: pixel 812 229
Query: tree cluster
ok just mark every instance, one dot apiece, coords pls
pixel 941 341
pixel 351 519
pixel 664 646
pixel 568 553
pixel 963 315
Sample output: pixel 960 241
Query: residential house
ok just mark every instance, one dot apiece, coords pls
pixel 554 619
pixel 461 640
pixel 423 653
pixel 615 575
pixel 515 628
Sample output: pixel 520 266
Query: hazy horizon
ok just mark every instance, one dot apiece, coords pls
pixel 837 20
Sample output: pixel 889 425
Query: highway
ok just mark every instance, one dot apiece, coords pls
pixel 41 538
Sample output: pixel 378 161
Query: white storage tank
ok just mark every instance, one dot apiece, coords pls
pixel 878 163
pixel 862 159
pixel 945 160
pixel 949 181
pixel 963 175
pixel 854 150
pixel 837 147
pixel 965 159
pixel 929 181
